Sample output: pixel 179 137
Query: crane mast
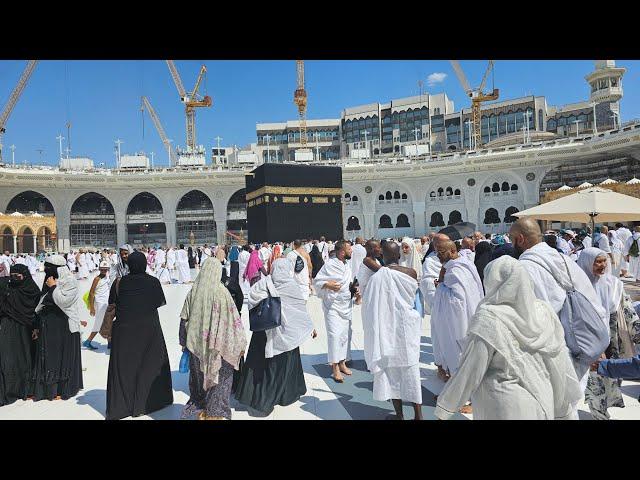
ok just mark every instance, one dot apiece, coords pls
pixel 477 98
pixel 191 101
pixel 156 121
pixel 300 99
pixel 14 97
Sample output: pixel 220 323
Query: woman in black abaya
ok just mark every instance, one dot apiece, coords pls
pixel 316 260
pixel 19 296
pixel 139 380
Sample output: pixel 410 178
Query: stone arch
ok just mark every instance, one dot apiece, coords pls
pixel 45 239
pixel 145 219
pixel 491 217
pixel 454 217
pixel 7 234
pixel 30 201
pixel 508 215
pixel 237 213
pixel 402 221
pixel 25 240
pixel 353 223
pixel 195 222
pixel 385 222
pixel 92 222
pixel 394 186
pixel 436 220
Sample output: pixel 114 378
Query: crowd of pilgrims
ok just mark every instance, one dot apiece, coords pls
pixel 493 301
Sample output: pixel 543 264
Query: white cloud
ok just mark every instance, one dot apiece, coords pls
pixel 435 78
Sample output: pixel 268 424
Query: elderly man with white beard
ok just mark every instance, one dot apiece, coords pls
pixel 458 293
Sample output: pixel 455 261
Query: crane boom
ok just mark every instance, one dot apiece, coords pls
pixel 14 97
pixel 177 80
pixel 462 78
pixel 156 121
pixel 203 70
pixel 486 75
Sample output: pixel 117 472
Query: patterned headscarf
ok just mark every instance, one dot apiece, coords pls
pixel 253 266
pixel 214 326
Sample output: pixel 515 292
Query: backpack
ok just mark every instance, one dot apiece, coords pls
pixel 634 251
pixel 585 333
pixel 299 264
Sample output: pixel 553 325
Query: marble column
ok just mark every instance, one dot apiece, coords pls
pixel 170 227
pixel 419 222
pixel 221 228
pixel 35 244
pixel 15 244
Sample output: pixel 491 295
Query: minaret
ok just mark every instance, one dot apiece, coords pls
pixel 606 92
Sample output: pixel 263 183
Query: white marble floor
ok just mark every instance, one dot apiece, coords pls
pixel 324 399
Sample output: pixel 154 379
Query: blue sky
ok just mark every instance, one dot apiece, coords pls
pixel 102 98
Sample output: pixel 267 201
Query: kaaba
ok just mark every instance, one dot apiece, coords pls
pixel 286 202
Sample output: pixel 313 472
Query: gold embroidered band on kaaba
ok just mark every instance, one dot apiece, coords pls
pixel 293 191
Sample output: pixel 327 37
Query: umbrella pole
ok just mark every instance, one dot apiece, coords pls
pixel 593 222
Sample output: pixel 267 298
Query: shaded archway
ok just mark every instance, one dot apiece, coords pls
pixel 45 239
pixel 7 239
pixel 92 222
pixel 194 219
pixel 26 240
pixel 385 222
pixel 30 201
pixel 455 217
pixel 508 215
pixel 436 220
pixel 491 217
pixel 237 214
pixel 145 223
pixel 353 224
pixel 402 221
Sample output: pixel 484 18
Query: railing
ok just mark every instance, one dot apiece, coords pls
pixel 378 160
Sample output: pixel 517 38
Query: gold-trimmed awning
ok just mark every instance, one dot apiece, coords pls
pixel 293 191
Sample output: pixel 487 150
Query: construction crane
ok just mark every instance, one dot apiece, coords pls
pixel 477 97
pixel 14 97
pixel 191 101
pixel 156 121
pixel 300 99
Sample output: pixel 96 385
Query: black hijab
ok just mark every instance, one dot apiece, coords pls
pixel 482 257
pixel 19 299
pixel 137 263
pixel 316 260
pixel 233 284
pixel 505 249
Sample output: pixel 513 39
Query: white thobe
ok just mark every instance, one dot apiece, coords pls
pixel 182 266
pixel 302 277
pixel 455 302
pixel 32 263
pixel 430 272
pixel 357 256
pixel 324 250
pixel 337 307
pixel 162 272
pixel 623 234
pixel 392 350
pixel 83 270
pixel 634 262
pixel 586 241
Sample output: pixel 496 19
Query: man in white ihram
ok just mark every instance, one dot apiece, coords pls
pixel 182 265
pixel 171 262
pixel 265 253
pixel 393 350
pixel 333 285
pixel 358 252
pixel 543 263
pixel 632 253
pixel 458 293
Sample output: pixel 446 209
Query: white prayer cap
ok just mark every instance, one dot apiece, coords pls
pixel 570 232
pixel 104 264
pixel 57 260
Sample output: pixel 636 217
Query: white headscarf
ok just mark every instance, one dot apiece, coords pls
pixel 608 288
pixel 413 258
pixel 538 357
